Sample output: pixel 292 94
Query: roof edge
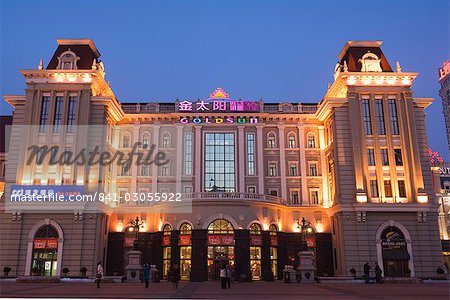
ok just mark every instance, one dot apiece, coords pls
pixel 349 44
pixel 88 42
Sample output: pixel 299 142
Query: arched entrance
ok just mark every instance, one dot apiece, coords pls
pixel 220 246
pixel 394 250
pixel 255 250
pixel 44 253
pixel 185 250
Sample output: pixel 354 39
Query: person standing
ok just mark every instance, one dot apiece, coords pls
pixel 228 270
pixel 99 275
pixel 146 272
pixel 366 272
pixel 223 277
pixel 378 273
pixel 174 275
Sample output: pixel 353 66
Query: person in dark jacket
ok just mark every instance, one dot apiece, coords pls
pixel 378 273
pixel 174 276
pixel 366 272
pixel 146 274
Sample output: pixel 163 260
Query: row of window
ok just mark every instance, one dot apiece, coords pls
pixel 380 116
pixel 291 140
pixel 293 171
pixel 384 157
pixel 58 114
pixel 387 186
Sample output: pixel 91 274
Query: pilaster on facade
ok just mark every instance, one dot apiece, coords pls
pixel 303 172
pixel 260 158
pixel 156 141
pixel 282 146
pixel 241 159
pixel 178 168
pixel 198 157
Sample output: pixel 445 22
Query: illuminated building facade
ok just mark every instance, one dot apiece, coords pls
pixel 355 166
pixel 444 80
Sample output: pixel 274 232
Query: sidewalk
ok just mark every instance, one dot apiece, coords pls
pixel 208 290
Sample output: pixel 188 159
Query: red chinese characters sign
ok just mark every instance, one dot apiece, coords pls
pixel 274 241
pixel 255 240
pixel 49 243
pixel 215 239
pixel 185 240
pixel 166 240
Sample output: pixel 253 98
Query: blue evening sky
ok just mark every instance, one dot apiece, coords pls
pixel 274 50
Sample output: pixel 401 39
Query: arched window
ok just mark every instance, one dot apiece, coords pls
pixel 167 229
pixel 185 228
pixel 220 226
pixel 166 141
pixel 273 229
pixel 255 228
pixel 45 251
pixel 271 142
pixel 67 61
pixel 145 140
pixel 126 140
pixel 291 140
pixel 311 140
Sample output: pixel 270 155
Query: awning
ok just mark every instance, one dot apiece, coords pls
pixel 396 254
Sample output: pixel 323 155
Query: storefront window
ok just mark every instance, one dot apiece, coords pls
pixel 45 249
pixel 167 250
pixel 220 247
pixel 185 251
pixel 273 250
pixel 255 250
pixel 395 253
pixel 219 162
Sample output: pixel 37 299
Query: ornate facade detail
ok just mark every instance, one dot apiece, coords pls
pixel 370 63
pixel 67 61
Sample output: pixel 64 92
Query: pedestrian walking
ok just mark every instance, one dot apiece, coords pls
pixel 223 277
pixel 146 272
pixel 378 273
pixel 99 275
pixel 228 270
pixel 174 275
pixel 366 272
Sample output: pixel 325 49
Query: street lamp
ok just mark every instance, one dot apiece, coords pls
pixel 136 225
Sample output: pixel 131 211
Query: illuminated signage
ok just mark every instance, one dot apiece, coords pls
pixel 45 243
pixel 218 120
pixel 445 70
pixel 220 240
pixel 444 171
pixel 45 192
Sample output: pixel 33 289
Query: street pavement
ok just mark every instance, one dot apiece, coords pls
pixel 211 290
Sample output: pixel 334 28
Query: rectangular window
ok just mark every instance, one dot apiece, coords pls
pixel 380 117
pixel 125 171
pixel 72 113
pixel 401 189
pixel 292 169
pixel 273 193
pixel 58 114
pixel 251 154
pixel 144 170
pixel 165 170
pixel 312 169
pixel 251 190
pixel 219 162
pixel 314 196
pixel 398 157
pixel 294 197
pixel 384 157
pixel 366 117
pixel 387 189
pixel 188 153
pixel 370 157
pixel 374 189
pixel 394 118
pixel 272 169
pixel 44 113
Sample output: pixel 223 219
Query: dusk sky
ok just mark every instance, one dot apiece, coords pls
pixel 274 50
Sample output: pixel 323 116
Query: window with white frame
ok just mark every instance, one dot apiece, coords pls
pixel 251 189
pixel 251 154
pixel 144 170
pixel 166 141
pixel 370 157
pixel 271 143
pixel 295 197
pixel 293 169
pixel 314 196
pixel 126 140
pixel 291 140
pixel 145 140
pixel 165 170
pixel 311 140
pixel 273 192
pixel 125 170
pixel 188 153
pixel 313 169
pixel 374 188
pixel 273 169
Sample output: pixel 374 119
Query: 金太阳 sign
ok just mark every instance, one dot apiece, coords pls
pixel 445 70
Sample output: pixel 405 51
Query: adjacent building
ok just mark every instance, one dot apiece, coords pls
pixel 444 92
pixel 353 169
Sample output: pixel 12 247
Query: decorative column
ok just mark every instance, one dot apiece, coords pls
pixel 198 156
pixel 323 167
pixel 154 166
pixel 241 159
pixel 260 158
pixel 178 167
pixel 301 139
pixel 282 162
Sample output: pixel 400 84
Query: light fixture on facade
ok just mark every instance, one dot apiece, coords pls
pixel 59 77
pixel 422 198
pixel 351 80
pixel 87 78
pixel 72 78
pixel 319 227
pixel 119 226
pixel 379 81
pixel 406 81
pixel 361 197
pixel 391 81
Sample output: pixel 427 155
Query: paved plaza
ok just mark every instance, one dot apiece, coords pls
pixel 208 290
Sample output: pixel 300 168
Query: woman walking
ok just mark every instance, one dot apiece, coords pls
pixel 99 275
